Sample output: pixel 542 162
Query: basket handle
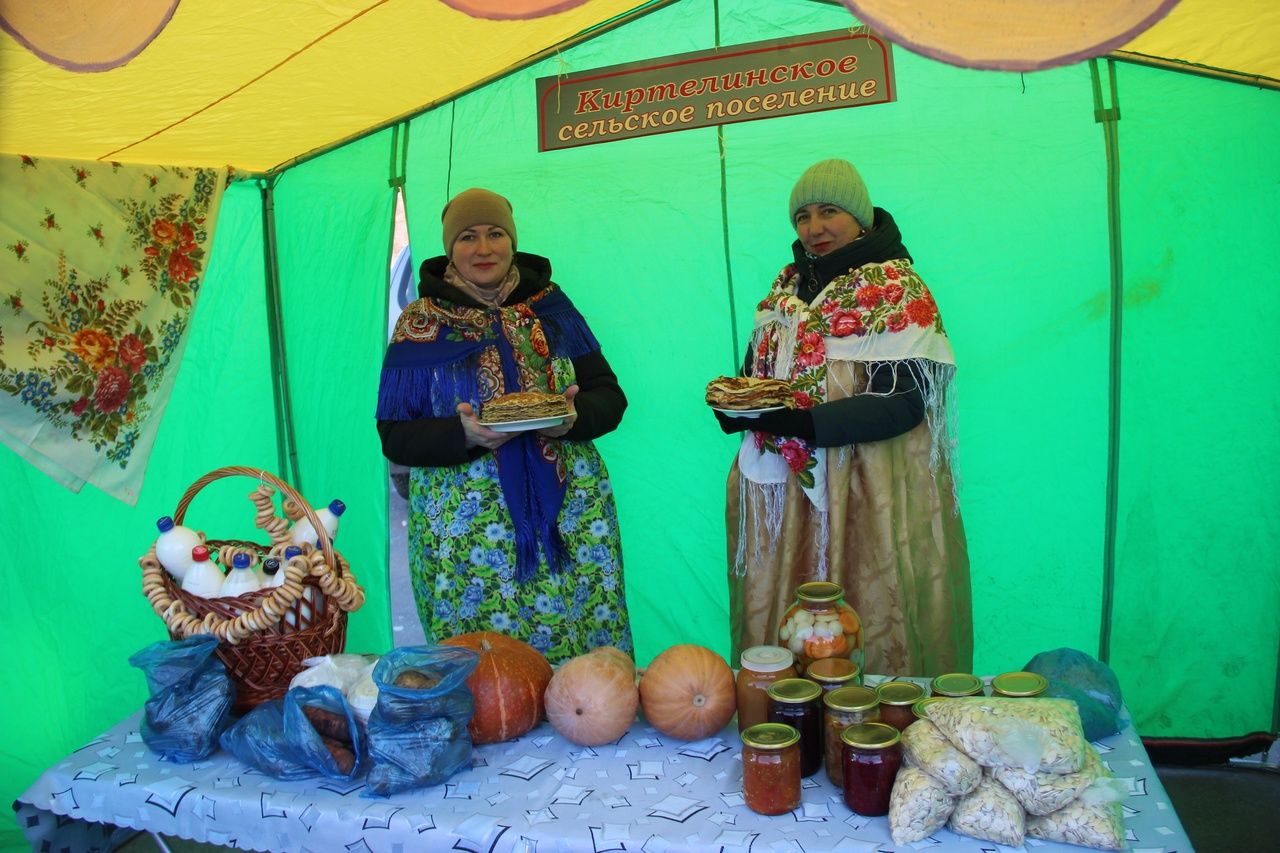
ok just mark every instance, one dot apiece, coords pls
pixel 326 544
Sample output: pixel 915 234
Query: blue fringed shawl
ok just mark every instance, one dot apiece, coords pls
pixel 441 354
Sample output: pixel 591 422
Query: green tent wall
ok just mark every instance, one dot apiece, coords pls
pixel 999 182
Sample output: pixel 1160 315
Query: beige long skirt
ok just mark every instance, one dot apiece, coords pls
pixel 891 538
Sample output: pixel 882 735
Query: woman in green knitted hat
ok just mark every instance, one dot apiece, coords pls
pixel 853 484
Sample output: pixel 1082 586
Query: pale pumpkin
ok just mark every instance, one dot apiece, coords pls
pixel 507 685
pixel 687 692
pixel 592 699
pixel 618 656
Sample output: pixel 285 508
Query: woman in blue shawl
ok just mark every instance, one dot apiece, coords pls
pixel 515 532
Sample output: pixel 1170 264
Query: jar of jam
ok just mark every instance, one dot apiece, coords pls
pixel 921 708
pixel 832 673
pixel 955 684
pixel 845 706
pixel 795 701
pixel 1019 684
pixel 819 624
pixel 771 768
pixel 761 667
pixel 896 699
pixel 872 757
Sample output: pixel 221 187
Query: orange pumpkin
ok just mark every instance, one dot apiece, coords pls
pixel 507 685
pixel 592 699
pixel 687 692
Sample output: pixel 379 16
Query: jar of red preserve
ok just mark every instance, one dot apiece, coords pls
pixel 872 757
pixel 896 699
pixel 771 768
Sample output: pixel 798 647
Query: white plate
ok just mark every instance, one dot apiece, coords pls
pixel 748 413
pixel 524 426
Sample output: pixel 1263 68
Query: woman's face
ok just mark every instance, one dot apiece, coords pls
pixel 482 254
pixel 824 227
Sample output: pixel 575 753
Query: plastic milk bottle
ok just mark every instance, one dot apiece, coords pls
pixel 203 578
pixel 241 579
pixel 329 515
pixel 173 546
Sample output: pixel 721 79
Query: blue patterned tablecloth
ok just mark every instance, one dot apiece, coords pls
pixel 536 794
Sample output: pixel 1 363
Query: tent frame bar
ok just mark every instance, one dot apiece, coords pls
pixel 572 41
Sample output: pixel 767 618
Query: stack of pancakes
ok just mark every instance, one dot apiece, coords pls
pixel 747 392
pixel 523 406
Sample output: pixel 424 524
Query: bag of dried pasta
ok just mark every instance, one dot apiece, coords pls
pixel 990 813
pixel 1041 793
pixel 1034 734
pixel 924 746
pixel 919 806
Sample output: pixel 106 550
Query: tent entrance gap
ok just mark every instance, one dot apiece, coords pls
pixel 286 440
pixel 1109 118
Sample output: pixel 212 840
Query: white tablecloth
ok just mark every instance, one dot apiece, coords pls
pixel 538 793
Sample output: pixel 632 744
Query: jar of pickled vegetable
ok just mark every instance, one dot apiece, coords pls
pixel 955 684
pixel 845 706
pixel 771 768
pixel 795 701
pixel 833 673
pixel 896 699
pixel 872 758
pixel 761 667
pixel 1019 684
pixel 819 624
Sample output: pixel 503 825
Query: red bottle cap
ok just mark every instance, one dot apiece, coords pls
pixel 200 553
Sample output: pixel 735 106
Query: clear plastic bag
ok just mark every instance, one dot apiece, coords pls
pixel 1033 734
pixel 990 813
pixel 1088 682
pixel 418 728
pixel 288 739
pixel 191 697
pixel 340 671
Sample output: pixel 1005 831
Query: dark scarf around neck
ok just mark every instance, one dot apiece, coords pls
pixel 881 243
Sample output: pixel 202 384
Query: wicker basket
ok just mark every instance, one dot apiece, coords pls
pixel 266 635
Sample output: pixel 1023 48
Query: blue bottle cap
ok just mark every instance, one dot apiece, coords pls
pixel 240 561
pixel 337 507
pixel 164 524
pixel 292 551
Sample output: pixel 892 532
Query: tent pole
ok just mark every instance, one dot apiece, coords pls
pixel 724 220
pixel 1198 70
pixel 286 446
pixel 1109 118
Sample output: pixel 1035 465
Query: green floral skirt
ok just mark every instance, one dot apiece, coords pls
pixel 462 560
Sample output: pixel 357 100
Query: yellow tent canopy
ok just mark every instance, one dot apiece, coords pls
pixel 259 85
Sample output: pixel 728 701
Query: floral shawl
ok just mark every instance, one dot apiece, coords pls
pixel 442 354
pixel 879 314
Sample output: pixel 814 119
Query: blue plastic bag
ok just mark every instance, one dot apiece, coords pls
pixel 1082 678
pixel 418 737
pixel 278 739
pixel 191 697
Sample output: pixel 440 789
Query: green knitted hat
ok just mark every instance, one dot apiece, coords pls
pixel 474 207
pixel 834 182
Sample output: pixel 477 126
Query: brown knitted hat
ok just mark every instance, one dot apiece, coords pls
pixel 475 207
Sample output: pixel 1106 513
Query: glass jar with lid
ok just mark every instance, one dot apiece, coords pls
pixel 1019 684
pixel 771 768
pixel 955 684
pixel 820 624
pixel 761 667
pixel 833 673
pixel 795 701
pixel 872 758
pixel 845 706
pixel 921 708
pixel 896 699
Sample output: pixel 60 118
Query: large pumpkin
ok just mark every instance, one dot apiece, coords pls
pixel 592 699
pixel 507 685
pixel 688 692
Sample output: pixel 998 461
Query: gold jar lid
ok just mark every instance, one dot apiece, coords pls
pixel 899 693
pixel 794 690
pixel 1019 684
pixel 832 670
pixel 870 735
pixel 921 708
pixel 956 684
pixel 767 658
pixel 770 736
pixel 819 591
pixel 851 698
